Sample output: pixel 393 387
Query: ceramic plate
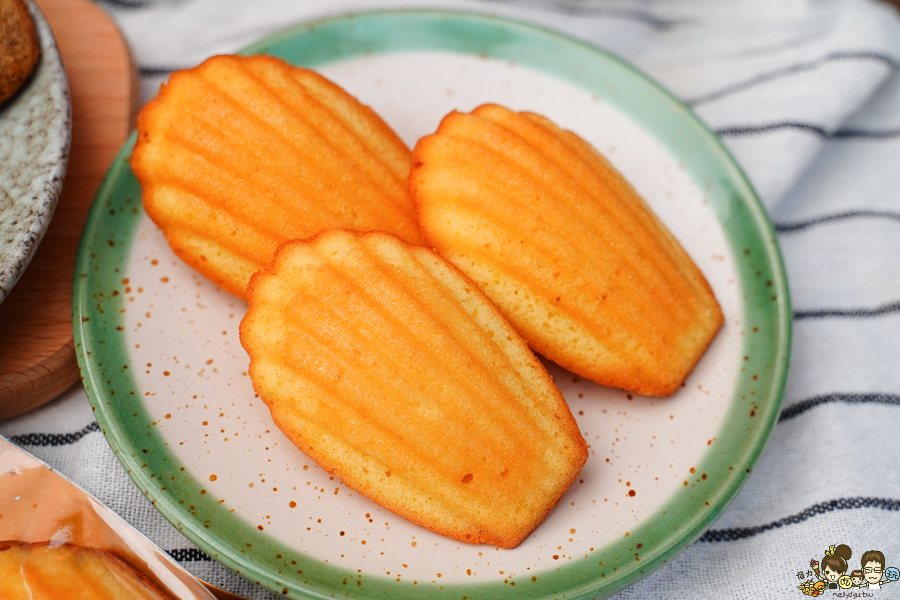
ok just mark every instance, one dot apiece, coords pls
pixel 164 368
pixel 35 131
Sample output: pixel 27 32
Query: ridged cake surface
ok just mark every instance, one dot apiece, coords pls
pixel 240 154
pixel 47 571
pixel 389 367
pixel 557 238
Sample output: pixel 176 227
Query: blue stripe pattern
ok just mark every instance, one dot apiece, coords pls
pixel 53 439
pixel 844 216
pixel 804 405
pixel 862 55
pixel 748 130
pixel 739 533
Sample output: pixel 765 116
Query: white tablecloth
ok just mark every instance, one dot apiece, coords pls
pixel 806 95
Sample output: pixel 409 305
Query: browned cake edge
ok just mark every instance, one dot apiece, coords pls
pixel 20 47
pixel 195 250
pixel 622 380
pixel 578 451
pixel 105 556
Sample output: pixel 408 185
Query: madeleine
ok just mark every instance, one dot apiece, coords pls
pixel 574 258
pixel 390 368
pixel 33 571
pixel 241 154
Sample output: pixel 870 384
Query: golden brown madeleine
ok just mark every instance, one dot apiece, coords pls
pixel 241 154
pixel 20 47
pixel 574 258
pixel 42 571
pixel 389 367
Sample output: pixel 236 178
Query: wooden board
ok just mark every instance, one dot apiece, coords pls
pixel 37 356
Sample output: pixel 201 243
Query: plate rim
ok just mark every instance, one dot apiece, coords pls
pixel 760 225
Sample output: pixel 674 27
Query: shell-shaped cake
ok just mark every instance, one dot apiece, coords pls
pixel 57 571
pixel 241 154
pixel 574 258
pixel 388 367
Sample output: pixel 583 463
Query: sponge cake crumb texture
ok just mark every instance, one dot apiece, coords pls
pixel 574 258
pixel 390 368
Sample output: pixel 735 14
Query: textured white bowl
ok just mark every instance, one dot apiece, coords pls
pixel 35 133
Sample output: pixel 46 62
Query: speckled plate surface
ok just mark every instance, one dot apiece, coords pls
pixel 159 350
pixel 35 132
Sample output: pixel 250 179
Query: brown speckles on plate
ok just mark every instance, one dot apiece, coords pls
pixel 200 324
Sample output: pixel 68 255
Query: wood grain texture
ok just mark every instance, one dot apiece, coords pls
pixel 37 356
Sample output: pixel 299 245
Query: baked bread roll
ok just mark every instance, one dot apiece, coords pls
pixel 390 368
pixel 41 571
pixel 240 154
pixel 574 258
pixel 20 47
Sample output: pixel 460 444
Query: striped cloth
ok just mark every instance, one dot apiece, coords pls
pixel 806 95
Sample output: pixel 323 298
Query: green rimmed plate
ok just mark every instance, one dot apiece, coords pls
pixel 163 367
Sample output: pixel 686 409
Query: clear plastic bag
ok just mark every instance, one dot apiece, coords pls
pixel 38 505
